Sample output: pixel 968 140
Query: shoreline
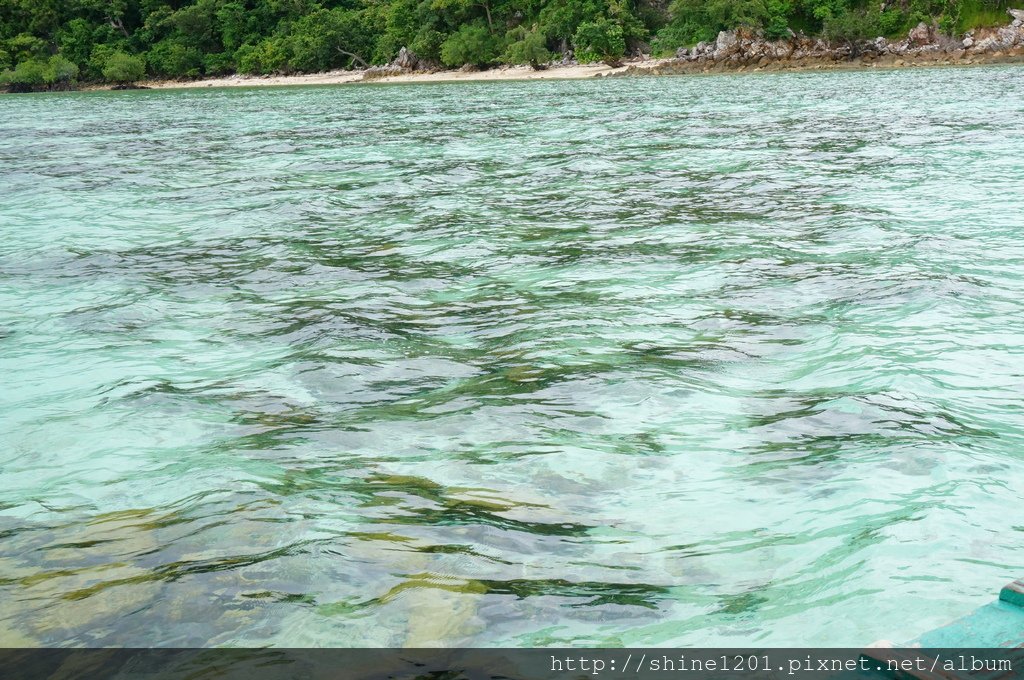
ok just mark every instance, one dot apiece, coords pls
pixel 501 73
pixel 739 51
pixel 642 68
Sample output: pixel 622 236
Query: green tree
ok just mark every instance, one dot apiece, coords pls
pixel 124 69
pixel 526 47
pixel 219 64
pixel 559 19
pixel 76 41
pixel 25 47
pixel 776 20
pixel 329 39
pixel 188 38
pixel 471 44
pixel 174 59
pixel 61 71
pixel 600 40
pixel 262 58
pixel 27 76
pixel 236 25
pixel 697 20
pixel 408 23
pixel 197 27
pixel 850 26
pixel 98 59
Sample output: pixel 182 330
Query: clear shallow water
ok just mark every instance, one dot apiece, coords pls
pixel 697 361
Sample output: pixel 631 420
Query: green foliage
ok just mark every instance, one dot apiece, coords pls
pixel 471 44
pixel 891 22
pixel 559 19
pixel 173 58
pixel 850 25
pixel 236 26
pixel 98 59
pixel 978 13
pixel 776 20
pixel 35 74
pixel 408 23
pixel 310 42
pixel 76 40
pixel 27 75
pixel 526 47
pixel 197 26
pixel 697 20
pixel 25 47
pixel 262 58
pixel 110 39
pixel 220 64
pixel 124 68
pixel 427 44
pixel 633 30
pixel 61 71
pixel 601 40
pixel 328 39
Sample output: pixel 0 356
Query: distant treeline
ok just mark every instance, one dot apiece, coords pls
pixel 52 43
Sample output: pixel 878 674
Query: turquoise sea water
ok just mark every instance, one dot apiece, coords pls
pixel 668 361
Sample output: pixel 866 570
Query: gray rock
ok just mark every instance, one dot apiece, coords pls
pixel 783 49
pixel 1017 23
pixel 1008 36
pixel 1017 14
pixel 968 42
pixel 920 34
pixel 725 43
pixel 406 60
pixel 377 72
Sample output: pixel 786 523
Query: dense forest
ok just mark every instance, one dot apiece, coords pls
pixel 51 43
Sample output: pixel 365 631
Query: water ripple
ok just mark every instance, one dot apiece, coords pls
pixel 696 361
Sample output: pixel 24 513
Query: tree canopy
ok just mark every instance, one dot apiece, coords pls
pixel 112 40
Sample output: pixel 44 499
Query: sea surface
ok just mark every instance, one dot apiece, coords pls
pixel 720 360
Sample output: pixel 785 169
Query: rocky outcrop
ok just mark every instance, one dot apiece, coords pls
pixel 386 71
pixel 743 48
pixel 406 62
pixel 921 35
pixel 726 44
